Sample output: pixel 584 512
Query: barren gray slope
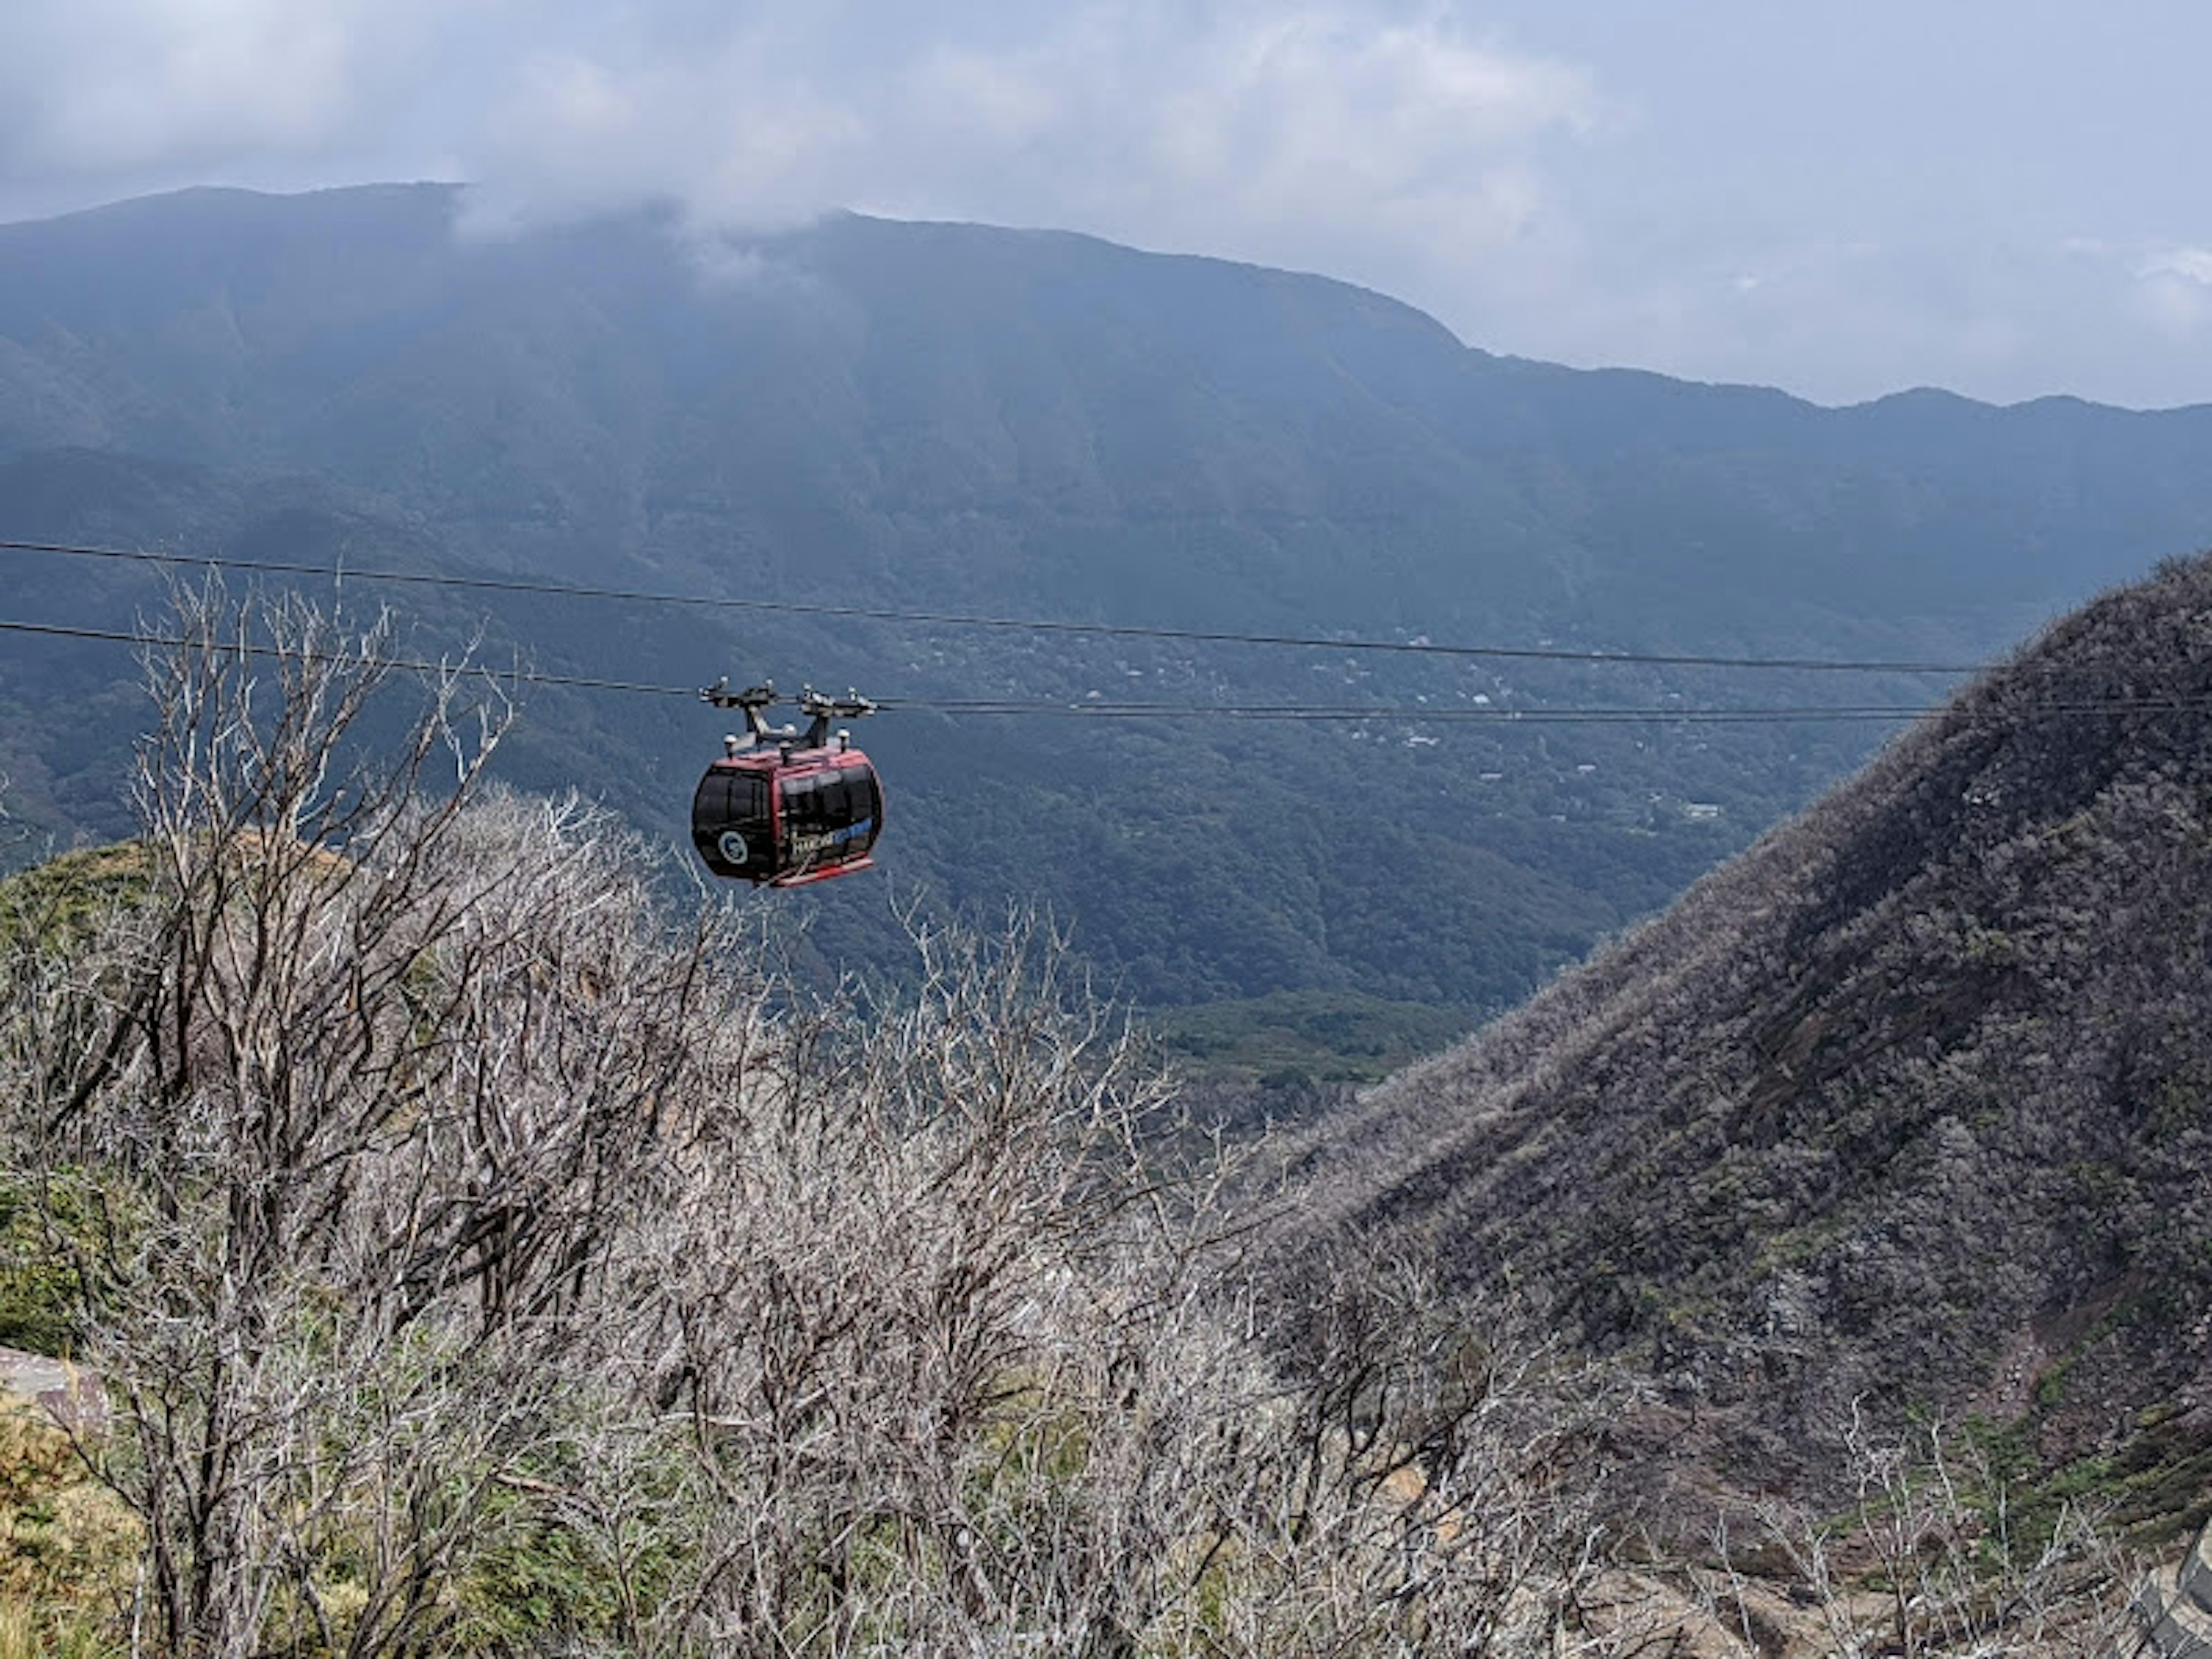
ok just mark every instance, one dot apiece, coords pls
pixel 1913 1100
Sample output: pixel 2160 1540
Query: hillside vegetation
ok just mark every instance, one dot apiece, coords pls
pixel 475 1257
pixel 470 1257
pixel 1907 1109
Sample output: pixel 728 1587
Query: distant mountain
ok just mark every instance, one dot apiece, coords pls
pixel 1910 1105
pixel 951 410
pixel 954 419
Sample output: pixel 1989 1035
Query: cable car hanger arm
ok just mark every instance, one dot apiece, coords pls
pixel 820 708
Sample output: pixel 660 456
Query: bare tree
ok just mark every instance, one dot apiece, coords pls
pixel 361 1081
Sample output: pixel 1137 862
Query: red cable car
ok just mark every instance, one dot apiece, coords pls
pixel 781 810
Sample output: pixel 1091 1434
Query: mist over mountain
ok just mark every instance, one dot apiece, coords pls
pixel 956 418
pixel 1908 1107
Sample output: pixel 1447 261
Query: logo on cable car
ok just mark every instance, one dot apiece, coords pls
pixel 731 845
pixel 805 847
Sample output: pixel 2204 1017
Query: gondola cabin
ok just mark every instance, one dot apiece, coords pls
pixel 780 810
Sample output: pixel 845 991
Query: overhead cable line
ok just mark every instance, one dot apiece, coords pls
pixel 171 642
pixel 1535 716
pixel 1101 709
pixel 1030 624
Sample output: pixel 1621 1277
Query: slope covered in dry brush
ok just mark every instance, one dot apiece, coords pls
pixel 1910 1105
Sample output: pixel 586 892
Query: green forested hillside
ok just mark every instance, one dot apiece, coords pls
pixel 950 418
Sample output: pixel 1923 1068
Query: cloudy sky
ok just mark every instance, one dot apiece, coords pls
pixel 2008 197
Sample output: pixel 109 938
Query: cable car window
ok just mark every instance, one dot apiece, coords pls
pixel 746 796
pixel 815 803
pixel 810 806
pixel 730 797
pixel 730 824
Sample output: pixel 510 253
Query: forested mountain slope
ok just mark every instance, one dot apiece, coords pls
pixel 1910 1104
pixel 951 417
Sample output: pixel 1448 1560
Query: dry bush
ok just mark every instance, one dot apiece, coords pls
pixel 1933 1558
pixel 364 1081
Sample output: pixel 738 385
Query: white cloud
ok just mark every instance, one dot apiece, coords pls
pixel 1280 136
pixel 2174 291
pixel 721 129
pixel 102 88
pixel 2194 263
pixel 1005 103
pixel 1286 120
pixel 1383 140
pixel 1843 320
